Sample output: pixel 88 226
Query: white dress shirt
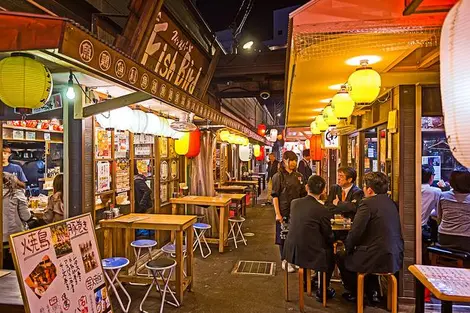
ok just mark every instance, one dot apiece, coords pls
pixel 429 201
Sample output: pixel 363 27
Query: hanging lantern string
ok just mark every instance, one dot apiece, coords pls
pixel 79 85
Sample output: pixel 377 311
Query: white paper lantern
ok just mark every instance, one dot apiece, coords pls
pixel 104 119
pixel 166 129
pixel 153 124
pixel 120 119
pixel 455 80
pixel 273 135
pixel 139 123
pixel 244 152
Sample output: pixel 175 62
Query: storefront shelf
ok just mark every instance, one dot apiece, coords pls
pixel 33 129
pixel 104 193
pixel 31 140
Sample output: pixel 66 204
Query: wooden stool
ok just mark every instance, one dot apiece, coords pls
pixel 301 287
pixel 392 292
pixel 448 257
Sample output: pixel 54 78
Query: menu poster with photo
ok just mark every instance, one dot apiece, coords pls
pixel 59 268
pixel 103 176
pixel 103 143
pixel 121 143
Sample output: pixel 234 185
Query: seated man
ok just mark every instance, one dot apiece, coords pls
pixel 429 201
pixel 375 242
pixel 344 197
pixel 309 243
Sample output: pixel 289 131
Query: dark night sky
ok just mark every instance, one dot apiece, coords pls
pixel 219 14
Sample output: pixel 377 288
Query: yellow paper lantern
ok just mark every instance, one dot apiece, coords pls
pixel 321 124
pixel 329 116
pixel 24 82
pixel 182 144
pixel 224 135
pixel 342 104
pixel 231 139
pixel 314 128
pixel 256 150
pixel 364 84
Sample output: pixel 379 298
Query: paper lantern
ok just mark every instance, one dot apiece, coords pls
pixel 167 131
pixel 315 148
pixel 182 144
pixel 256 150
pixel 120 118
pixel 364 84
pixel 244 152
pixel 307 144
pixel 104 119
pixel 329 116
pixel 231 139
pixel 153 124
pixel 314 128
pixel 455 80
pixel 24 82
pixel 321 124
pixel 224 135
pixel 139 122
pixel 342 104
pixel 260 157
pixel 194 144
pixel 262 130
pixel 279 137
pixel 273 135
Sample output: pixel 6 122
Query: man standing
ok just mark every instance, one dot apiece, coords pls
pixel 273 167
pixel 304 166
pixel 429 200
pixel 375 242
pixel 344 197
pixel 287 186
pixel 13 168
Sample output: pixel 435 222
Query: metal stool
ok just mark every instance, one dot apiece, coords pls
pixel 138 245
pixel 238 221
pixel 199 231
pixel 158 268
pixel 114 266
pixel 170 250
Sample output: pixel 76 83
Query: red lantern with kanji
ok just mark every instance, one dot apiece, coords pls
pixel 194 144
pixel 315 148
pixel 262 130
pixel 261 155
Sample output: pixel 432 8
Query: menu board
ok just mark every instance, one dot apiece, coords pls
pixel 121 143
pixel 103 143
pixel 103 176
pixel 163 147
pixel 59 268
pixel 122 175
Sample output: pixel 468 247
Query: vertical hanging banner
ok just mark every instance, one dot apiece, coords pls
pixel 59 268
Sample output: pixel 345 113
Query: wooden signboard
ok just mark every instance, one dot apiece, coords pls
pixel 59 268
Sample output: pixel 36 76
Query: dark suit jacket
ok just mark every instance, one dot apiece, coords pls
pixel 375 242
pixel 309 243
pixel 348 207
pixel 305 169
pixel 272 168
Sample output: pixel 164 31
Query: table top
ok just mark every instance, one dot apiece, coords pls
pixel 151 221
pixel 11 294
pixel 233 196
pixel 340 227
pixel 242 182
pixel 201 200
pixel 232 187
pixel 446 283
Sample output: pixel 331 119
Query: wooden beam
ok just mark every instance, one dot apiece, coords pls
pixel 210 73
pixel 115 103
pixel 411 8
pixel 429 59
pixel 403 56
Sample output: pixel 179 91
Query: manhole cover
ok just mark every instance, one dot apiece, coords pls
pixel 257 268
pixel 248 234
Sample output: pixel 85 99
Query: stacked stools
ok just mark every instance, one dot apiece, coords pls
pixel 199 231
pixel 236 222
pixel 158 268
pixel 138 245
pixel 113 266
pixel 392 295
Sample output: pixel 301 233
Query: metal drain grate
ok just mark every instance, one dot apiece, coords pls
pixel 257 268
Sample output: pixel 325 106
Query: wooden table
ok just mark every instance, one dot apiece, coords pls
pixel 231 189
pixel 261 176
pixel 253 184
pixel 239 199
pixel 11 300
pixel 448 284
pixel 177 224
pixel 218 202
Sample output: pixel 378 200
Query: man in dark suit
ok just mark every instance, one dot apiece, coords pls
pixel 375 242
pixel 309 243
pixel 273 167
pixel 344 197
pixel 304 166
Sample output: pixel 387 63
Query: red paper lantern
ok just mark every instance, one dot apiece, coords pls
pixel 261 155
pixel 315 148
pixel 194 144
pixel 262 130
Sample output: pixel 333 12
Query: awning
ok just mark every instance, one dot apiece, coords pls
pixel 65 41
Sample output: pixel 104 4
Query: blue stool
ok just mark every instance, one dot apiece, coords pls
pixel 114 266
pixel 138 245
pixel 158 268
pixel 232 235
pixel 199 231
pixel 170 250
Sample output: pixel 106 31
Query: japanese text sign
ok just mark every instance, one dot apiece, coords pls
pixel 59 268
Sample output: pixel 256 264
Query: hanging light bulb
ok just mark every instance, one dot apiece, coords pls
pixel 364 84
pixel 70 91
pixel 342 104
pixel 329 116
pixel 321 124
pixel 314 128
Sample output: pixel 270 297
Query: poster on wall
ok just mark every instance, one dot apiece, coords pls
pixel 121 143
pixel 435 162
pixel 103 176
pixel 163 142
pixel 103 143
pixel 59 268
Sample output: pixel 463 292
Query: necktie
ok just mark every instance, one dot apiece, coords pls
pixel 343 195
